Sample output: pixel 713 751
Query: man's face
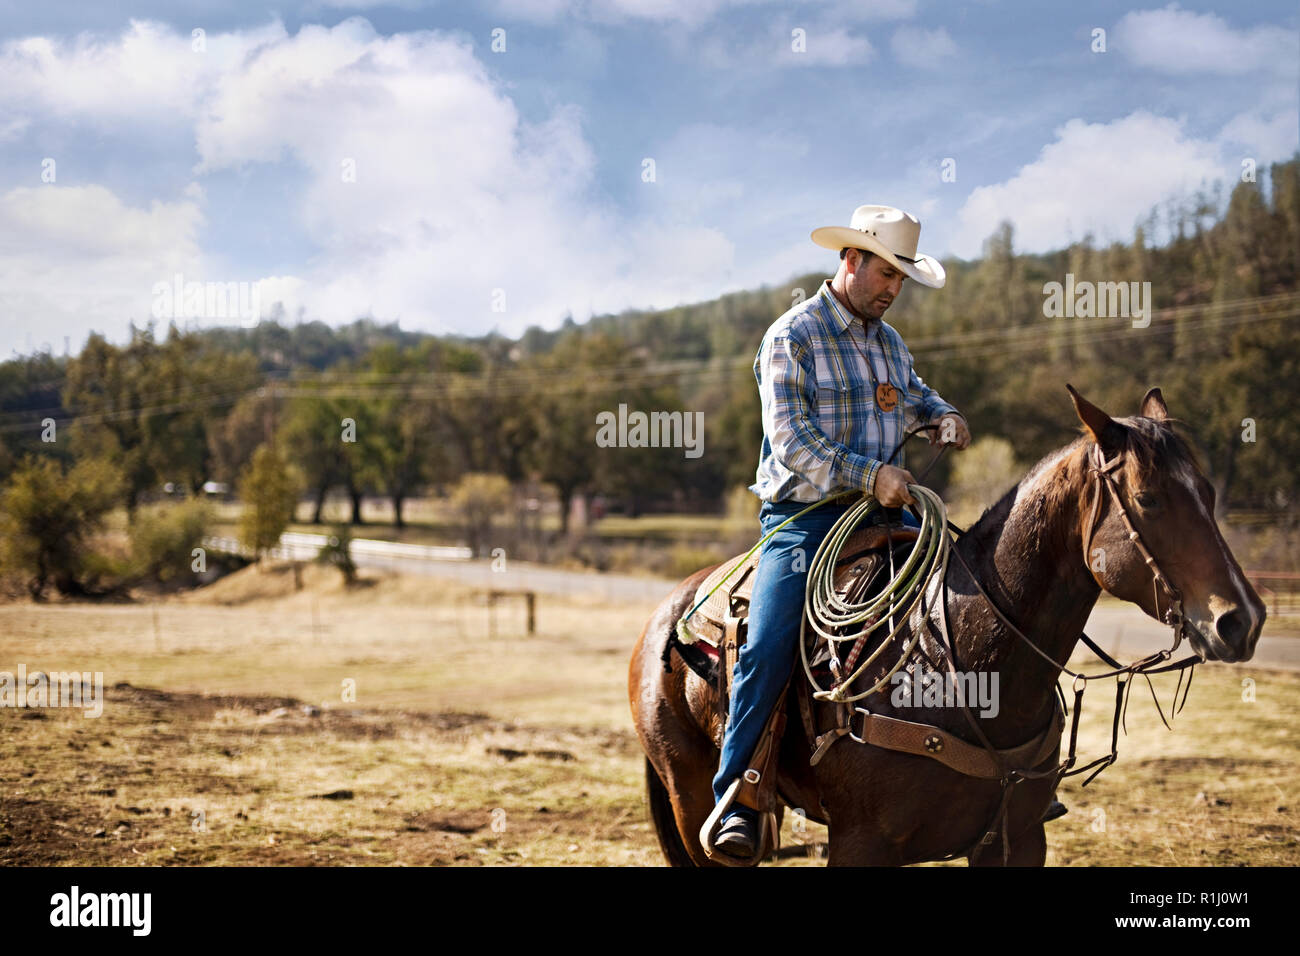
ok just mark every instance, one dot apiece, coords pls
pixel 874 286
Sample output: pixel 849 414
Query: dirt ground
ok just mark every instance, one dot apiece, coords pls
pixel 255 723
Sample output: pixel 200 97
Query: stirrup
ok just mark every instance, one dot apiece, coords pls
pixel 767 835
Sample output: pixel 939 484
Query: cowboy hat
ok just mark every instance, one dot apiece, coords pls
pixel 891 234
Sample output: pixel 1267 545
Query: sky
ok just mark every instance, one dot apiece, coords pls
pixel 474 167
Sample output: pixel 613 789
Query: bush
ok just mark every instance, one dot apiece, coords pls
pixel 163 538
pixel 47 518
pixel 337 552
pixel 269 488
pixel 980 476
pixel 479 497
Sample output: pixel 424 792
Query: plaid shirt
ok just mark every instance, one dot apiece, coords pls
pixel 822 430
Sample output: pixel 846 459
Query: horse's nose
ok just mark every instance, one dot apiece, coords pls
pixel 1234 627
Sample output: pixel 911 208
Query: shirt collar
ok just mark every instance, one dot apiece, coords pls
pixel 841 319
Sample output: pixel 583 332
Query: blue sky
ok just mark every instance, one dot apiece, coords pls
pixel 495 189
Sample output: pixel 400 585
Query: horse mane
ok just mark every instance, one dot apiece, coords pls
pixel 1150 444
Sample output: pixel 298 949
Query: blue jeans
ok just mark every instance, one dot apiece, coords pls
pixel 775 611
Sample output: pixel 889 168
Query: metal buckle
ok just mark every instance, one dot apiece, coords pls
pixel 752 776
pixel 865 714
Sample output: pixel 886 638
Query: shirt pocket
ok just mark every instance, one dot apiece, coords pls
pixel 843 408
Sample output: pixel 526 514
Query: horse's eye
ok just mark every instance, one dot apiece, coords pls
pixel 1146 499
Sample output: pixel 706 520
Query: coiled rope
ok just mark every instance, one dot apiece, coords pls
pixel 934 521
pixel 833 619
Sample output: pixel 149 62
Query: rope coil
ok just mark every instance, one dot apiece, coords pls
pixel 833 619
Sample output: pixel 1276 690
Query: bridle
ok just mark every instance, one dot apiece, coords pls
pixel 1101 470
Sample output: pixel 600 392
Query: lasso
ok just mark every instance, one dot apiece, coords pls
pixel 833 619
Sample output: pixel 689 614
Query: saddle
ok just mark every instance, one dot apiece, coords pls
pixel 719 629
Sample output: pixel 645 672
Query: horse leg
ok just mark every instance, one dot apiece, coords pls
pixel 663 816
pixel 680 757
pixel 684 794
pixel 859 844
pixel 856 837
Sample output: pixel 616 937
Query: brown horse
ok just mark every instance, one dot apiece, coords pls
pixel 884 807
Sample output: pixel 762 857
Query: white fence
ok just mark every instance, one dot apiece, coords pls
pixel 295 546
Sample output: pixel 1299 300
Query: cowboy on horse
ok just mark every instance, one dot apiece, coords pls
pixel 838 391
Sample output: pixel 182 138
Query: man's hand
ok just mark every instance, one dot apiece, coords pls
pixel 891 486
pixel 952 430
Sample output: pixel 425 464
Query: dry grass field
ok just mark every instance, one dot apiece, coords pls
pixel 228 738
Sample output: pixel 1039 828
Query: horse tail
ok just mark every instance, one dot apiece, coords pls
pixel 664 820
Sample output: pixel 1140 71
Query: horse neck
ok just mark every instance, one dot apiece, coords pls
pixel 1027 552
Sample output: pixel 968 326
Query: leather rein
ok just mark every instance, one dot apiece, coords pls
pixel 1007 775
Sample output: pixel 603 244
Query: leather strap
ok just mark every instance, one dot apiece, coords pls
pixel 925 740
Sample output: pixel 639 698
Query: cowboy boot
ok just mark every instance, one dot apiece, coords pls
pixel 739 834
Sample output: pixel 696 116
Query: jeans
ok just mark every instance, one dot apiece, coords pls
pixel 775 611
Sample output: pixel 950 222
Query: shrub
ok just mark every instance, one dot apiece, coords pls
pixel 47 517
pixel 163 538
pixel 479 497
pixel 269 488
pixel 337 552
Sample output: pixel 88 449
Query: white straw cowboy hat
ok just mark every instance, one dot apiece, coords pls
pixel 891 234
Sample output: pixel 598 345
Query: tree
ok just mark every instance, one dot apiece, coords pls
pixel 269 488
pixel 479 497
pixel 192 380
pixel 313 433
pixel 47 517
pixel 109 387
pixel 233 439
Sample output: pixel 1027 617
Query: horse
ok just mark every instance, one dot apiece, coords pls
pixel 1042 554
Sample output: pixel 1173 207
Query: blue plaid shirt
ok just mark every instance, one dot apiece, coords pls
pixel 822 429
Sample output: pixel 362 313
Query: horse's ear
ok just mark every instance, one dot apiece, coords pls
pixel 1153 406
pixel 1100 426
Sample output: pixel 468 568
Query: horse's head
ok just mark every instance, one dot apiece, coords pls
pixel 1156 483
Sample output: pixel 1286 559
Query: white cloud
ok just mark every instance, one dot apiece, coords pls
pixel 1103 177
pixel 1096 177
pixel 925 49
pixel 822 42
pixel 1263 138
pixel 833 46
pixel 1173 40
pixel 146 73
pixel 455 194
pixel 691 13
pixel 76 257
